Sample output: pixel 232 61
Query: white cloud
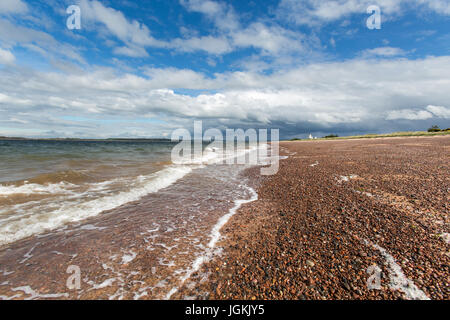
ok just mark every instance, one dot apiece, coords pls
pixel 439 6
pixel 318 12
pixel 13 6
pixel 429 112
pixel 408 114
pixel 135 35
pixel 210 44
pixel 178 79
pixel 440 112
pixel 383 52
pixel 6 57
pixel 327 94
pixel 131 51
pixel 12 35
pixel 220 13
pixel 9 100
pixel 204 6
pixel 226 36
pixel 272 40
pixel 314 13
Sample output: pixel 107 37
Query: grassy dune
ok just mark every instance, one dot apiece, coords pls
pixel 387 135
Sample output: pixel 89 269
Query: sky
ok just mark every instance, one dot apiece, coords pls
pixel 145 68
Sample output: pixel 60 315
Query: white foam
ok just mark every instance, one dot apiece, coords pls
pixel 217 156
pixel 28 225
pixel 33 188
pixel 215 236
pixel 138 296
pixel 398 280
pixel 346 178
pixel 6 273
pixel 91 227
pixel 34 295
pixel 127 258
pixel 28 255
pixel 104 284
pixel 163 262
pixel 446 237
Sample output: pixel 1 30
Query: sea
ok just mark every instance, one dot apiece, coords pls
pixel 132 223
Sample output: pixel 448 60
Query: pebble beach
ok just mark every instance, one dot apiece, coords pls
pixel 341 219
pixel 339 216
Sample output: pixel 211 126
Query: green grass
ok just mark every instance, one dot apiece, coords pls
pixel 385 135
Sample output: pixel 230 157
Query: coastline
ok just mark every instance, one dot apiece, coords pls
pixel 335 212
pixel 141 249
pixel 314 230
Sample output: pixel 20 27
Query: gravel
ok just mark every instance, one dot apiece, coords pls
pixel 315 235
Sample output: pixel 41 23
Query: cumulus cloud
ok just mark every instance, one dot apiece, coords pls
pixel 135 35
pixel 315 13
pixel 222 14
pixel 335 94
pixel 409 114
pixel 429 112
pixel 440 112
pixel 270 39
pixel 319 12
pixel 227 35
pixel 379 86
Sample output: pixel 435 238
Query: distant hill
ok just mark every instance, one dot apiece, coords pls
pixel 81 139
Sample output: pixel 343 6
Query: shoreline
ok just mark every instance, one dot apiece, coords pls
pixel 406 134
pixel 143 249
pixel 334 215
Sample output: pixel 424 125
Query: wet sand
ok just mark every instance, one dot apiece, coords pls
pixel 141 250
pixel 337 214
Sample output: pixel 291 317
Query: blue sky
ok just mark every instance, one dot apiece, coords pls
pixel 143 69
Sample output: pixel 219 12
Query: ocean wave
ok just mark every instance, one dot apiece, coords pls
pixel 43 220
pixel 35 188
pixel 72 196
pixel 215 155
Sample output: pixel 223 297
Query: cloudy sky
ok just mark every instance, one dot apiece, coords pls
pixel 145 68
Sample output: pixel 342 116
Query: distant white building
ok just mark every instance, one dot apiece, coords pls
pixel 310 136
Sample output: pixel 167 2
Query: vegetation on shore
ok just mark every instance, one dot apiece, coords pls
pixel 385 135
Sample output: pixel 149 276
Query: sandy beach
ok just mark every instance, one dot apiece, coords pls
pixel 337 212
